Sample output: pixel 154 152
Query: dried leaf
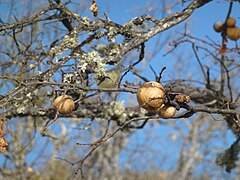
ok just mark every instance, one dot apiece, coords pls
pixel 222 51
pixel 182 98
pixel 3 144
pixel 94 8
pixel 1 130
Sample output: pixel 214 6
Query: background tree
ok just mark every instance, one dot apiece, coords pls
pixel 76 49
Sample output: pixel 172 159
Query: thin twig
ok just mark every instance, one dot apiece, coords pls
pixel 160 74
pixel 141 56
pixel 199 62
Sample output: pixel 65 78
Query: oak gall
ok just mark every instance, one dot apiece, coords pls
pixel 150 96
pixel 64 104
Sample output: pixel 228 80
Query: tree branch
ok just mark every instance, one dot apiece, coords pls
pixel 162 25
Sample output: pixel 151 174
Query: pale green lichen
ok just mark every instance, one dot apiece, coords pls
pixel 68 77
pixel 72 77
pixel 136 27
pixel 130 23
pixel 21 106
pixel 91 58
pixel 32 66
pixel 69 41
pixel 101 48
pixel 109 50
pixel 114 49
pixel 111 36
pixel 39 72
pixel 117 109
pixel 142 112
pixel 85 20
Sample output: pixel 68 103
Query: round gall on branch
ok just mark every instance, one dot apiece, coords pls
pixel 150 96
pixel 166 111
pixel 218 26
pixel 233 33
pixel 64 104
pixel 231 22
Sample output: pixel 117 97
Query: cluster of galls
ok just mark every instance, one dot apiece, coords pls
pixel 232 31
pixel 151 95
